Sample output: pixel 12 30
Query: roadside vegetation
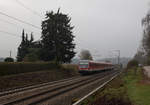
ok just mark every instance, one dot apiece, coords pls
pixel 15 75
pixel 137 88
pixel 130 88
pixel 114 93
pixel 25 67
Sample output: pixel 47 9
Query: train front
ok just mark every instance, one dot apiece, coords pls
pixel 83 66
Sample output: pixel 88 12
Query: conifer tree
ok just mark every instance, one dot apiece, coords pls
pixel 22 49
pixel 57 38
pixel 32 38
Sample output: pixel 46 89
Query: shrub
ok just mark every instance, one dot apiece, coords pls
pixel 72 69
pixel 24 67
pixel 9 68
pixel 113 96
pixel 31 58
pixel 132 63
pixel 9 59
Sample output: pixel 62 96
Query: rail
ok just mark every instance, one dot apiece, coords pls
pixel 79 101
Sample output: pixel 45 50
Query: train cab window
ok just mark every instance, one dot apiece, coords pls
pixel 83 65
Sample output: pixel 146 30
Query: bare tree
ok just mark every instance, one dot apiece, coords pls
pixel 140 55
pixel 146 34
pixel 85 55
pixel 146 37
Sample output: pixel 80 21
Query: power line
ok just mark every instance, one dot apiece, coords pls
pixel 9 33
pixel 28 8
pixel 17 25
pixel 14 18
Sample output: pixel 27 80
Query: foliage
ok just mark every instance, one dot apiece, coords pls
pixel 85 55
pixel 123 90
pixel 24 67
pixel 143 54
pixel 112 96
pixel 27 51
pixel 146 33
pixel 57 38
pixel 138 92
pixel 140 57
pixel 33 55
pixel 23 48
pixel 9 59
pixel 114 93
pixel 132 63
pixel 35 78
pixel 146 37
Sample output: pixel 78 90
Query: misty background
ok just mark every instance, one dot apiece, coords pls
pixel 101 26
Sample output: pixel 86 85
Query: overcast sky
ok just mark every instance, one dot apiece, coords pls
pixel 101 26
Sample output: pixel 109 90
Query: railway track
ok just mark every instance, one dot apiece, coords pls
pixel 14 90
pixel 39 94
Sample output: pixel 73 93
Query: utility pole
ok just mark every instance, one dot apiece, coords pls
pixel 118 56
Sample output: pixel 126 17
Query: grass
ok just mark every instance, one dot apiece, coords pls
pixel 113 93
pixel 138 92
pixel 126 89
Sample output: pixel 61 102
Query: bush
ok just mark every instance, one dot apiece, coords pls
pixel 113 96
pixel 72 69
pixel 132 63
pixel 22 67
pixel 9 59
pixel 31 58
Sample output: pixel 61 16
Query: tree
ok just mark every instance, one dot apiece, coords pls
pixel 33 55
pixel 133 64
pixel 140 56
pixel 57 38
pixel 85 55
pixel 32 38
pixel 23 48
pixel 9 59
pixel 146 36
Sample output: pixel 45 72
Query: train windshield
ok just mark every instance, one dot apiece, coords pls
pixel 83 65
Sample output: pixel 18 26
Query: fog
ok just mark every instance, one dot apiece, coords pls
pixel 101 26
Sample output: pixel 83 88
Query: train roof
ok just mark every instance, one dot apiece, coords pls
pixel 100 62
pixel 87 61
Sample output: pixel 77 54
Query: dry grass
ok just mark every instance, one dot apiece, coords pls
pixel 113 93
pixel 32 78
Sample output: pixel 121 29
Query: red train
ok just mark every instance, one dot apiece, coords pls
pixel 86 66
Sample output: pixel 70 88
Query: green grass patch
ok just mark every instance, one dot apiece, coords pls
pixel 139 93
pixel 126 89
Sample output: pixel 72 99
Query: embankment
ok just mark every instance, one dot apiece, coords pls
pixel 15 75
